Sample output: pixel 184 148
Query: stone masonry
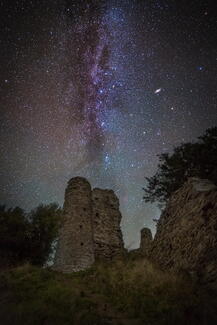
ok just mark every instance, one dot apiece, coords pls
pixel 75 250
pixel 91 227
pixel 108 241
pixel 146 241
pixel 186 237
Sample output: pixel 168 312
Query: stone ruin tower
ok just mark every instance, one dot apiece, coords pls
pixel 75 249
pixel 91 227
pixel 108 242
pixel 146 241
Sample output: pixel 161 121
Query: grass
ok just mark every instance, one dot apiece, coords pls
pixel 123 292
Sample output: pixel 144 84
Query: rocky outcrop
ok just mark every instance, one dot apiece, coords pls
pixel 186 237
pixel 108 241
pixel 91 227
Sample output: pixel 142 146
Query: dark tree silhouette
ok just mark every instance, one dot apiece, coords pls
pixel 44 223
pixel 197 159
pixel 28 237
pixel 14 229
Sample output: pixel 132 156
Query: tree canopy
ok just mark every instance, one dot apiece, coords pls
pixel 198 159
pixel 28 237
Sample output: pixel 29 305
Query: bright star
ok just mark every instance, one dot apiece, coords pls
pixel 158 90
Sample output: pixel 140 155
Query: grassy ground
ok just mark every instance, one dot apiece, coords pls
pixel 130 292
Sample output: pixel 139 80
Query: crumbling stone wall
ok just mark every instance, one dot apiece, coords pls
pixel 91 227
pixel 186 236
pixel 108 241
pixel 75 250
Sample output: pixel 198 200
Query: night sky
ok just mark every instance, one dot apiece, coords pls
pixel 98 89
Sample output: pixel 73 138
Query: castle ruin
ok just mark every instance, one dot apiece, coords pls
pixel 186 237
pixel 91 227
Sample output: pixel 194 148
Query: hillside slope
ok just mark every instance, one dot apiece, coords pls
pixel 130 292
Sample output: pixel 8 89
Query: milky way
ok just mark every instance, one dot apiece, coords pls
pixel 98 89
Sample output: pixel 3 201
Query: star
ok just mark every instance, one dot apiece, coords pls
pixel 100 89
pixel 158 90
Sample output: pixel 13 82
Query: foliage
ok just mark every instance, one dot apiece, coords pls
pixel 44 224
pixel 114 293
pixel 28 237
pixel 14 236
pixel 197 159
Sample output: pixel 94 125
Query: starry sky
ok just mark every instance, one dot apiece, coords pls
pixel 98 89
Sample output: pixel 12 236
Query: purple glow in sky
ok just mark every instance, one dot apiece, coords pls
pixel 98 89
